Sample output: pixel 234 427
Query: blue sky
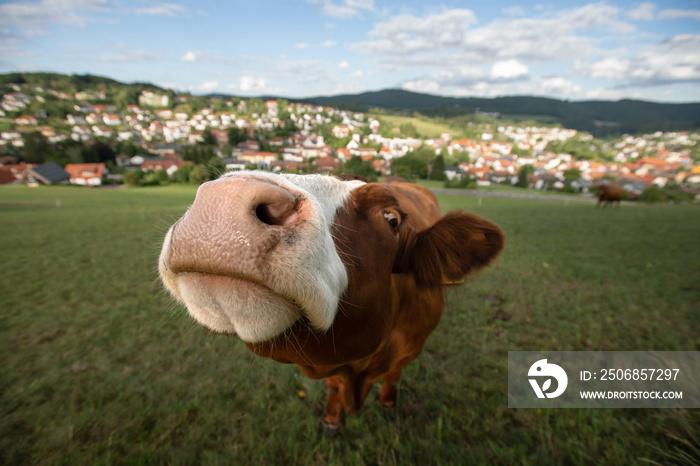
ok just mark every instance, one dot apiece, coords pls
pixel 572 50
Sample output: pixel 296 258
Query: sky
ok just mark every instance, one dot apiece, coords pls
pixel 573 50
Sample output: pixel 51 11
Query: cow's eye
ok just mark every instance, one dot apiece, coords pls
pixel 392 218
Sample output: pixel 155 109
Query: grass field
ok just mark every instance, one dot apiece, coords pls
pixel 97 366
pixel 426 127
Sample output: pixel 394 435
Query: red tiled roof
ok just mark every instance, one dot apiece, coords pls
pixel 85 170
pixel 6 176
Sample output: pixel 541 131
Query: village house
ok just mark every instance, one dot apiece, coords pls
pixel 46 173
pixel 81 133
pixel 164 114
pixel 367 153
pixel 26 120
pixel 343 155
pixel 86 174
pixel 102 131
pixel 111 120
pixel 93 118
pixel 258 158
pixel 276 142
pixel 150 99
pixel 75 119
pixel 340 131
pixel 325 164
pixel 169 166
pixel 13 172
pixel 272 107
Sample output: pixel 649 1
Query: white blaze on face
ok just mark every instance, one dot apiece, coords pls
pixel 303 280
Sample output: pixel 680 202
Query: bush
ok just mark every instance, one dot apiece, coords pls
pixel 133 177
pixel 463 183
pixel 653 194
pixel 199 175
pixel 183 174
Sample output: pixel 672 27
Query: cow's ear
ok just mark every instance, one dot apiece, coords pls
pixel 456 245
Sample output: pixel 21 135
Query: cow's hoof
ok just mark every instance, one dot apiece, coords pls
pixel 329 430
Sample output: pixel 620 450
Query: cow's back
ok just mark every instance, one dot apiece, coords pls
pixel 610 193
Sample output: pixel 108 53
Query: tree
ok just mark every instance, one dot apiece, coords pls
pixel 98 152
pixel 36 148
pixel 356 166
pixel 215 167
pixel 209 139
pixel 183 174
pixel 236 135
pixel 199 174
pixel 133 177
pixel 523 174
pixel 161 176
pixel 426 153
pixel 410 166
pixel 438 172
pixel 572 174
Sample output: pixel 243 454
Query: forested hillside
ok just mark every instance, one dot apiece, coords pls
pixel 598 117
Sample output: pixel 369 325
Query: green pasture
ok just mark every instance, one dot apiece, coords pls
pixel 98 366
pixel 426 127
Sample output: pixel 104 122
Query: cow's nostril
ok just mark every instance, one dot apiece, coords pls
pixel 281 214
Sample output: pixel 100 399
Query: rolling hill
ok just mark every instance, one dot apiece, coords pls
pixel 600 117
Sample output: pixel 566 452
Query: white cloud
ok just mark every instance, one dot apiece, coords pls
pixel 255 85
pixel 556 86
pixel 508 70
pixel 422 85
pixel 301 46
pixel 343 64
pixel 132 56
pixel 514 11
pixel 406 34
pixel 681 14
pixel 348 88
pixel 206 87
pixel 674 60
pixel 164 9
pixel 553 86
pixel 205 56
pixel 348 9
pixel 31 17
pixel 645 12
pixel 250 83
pixel 549 37
pixel 358 74
pixel 329 43
pixel 361 4
pixel 189 56
pixel 608 69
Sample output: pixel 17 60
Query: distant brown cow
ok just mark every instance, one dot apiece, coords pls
pixel 609 193
pixel 343 278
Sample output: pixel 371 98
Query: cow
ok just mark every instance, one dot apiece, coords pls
pixel 345 279
pixel 609 193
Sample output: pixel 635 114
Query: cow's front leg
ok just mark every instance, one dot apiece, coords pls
pixel 389 392
pixel 342 398
pixel 333 416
